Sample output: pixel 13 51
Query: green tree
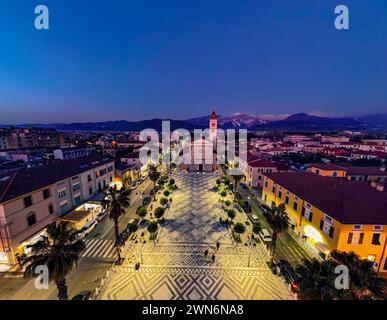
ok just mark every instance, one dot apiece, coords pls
pixel 279 222
pixel 60 251
pixel 163 201
pixel 239 228
pixel 154 175
pixel 231 213
pixel 152 227
pixel 166 193
pixel 159 212
pixel 142 211
pixel 115 203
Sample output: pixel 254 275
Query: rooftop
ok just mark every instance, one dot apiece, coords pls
pixel 346 201
pixel 26 180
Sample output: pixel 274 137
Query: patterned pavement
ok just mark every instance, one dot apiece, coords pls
pixel 175 267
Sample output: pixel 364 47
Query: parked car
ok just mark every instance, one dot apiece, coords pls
pixel 265 235
pixel 287 271
pixel 123 236
pixel 87 228
pixel 84 295
pixel 238 207
pixel 146 201
pixel 101 216
pixel 254 218
pixel 243 185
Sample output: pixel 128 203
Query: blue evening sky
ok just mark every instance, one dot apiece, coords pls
pixel 140 59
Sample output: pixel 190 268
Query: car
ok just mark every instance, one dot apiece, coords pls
pixel 265 235
pixel 101 216
pixel 243 185
pixel 146 201
pixel 87 228
pixel 237 207
pixel 254 218
pixel 289 274
pixel 84 295
pixel 123 236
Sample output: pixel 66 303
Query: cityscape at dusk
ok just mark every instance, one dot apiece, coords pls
pixel 158 151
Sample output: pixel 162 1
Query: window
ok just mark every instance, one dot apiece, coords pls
pixel 357 227
pixel 265 198
pixel 327 228
pixel 377 228
pixel 74 178
pixel 266 184
pixel 361 238
pixel 110 169
pixel 31 220
pixel 307 213
pixel 280 194
pixel 273 188
pixel 76 187
pixel 46 193
pixel 295 204
pixel 317 171
pixel 376 239
pixel 334 174
pixel 287 198
pixel 62 194
pixel 90 191
pixel 89 177
pixel 27 201
pixel 50 209
pixel 350 236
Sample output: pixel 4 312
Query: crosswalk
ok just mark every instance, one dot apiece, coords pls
pixel 99 248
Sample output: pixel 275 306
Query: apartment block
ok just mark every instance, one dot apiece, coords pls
pixel 32 198
pixel 331 213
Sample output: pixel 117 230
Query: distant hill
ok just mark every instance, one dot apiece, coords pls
pixel 295 122
pixel 376 121
pixel 305 122
pixel 119 125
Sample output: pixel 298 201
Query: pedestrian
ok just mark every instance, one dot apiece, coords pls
pixel 206 253
pixel 213 258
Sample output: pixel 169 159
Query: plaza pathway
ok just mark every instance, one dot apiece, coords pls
pixel 175 267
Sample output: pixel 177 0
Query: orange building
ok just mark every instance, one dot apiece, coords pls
pixel 333 213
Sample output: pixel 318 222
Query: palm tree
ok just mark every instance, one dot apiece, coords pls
pixel 279 222
pixel 317 280
pixel 237 178
pixel 116 202
pixel 60 251
pixel 154 175
pixel 364 281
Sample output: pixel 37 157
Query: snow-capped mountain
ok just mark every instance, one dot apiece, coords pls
pixel 238 121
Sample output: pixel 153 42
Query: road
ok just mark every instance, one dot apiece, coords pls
pixel 96 260
pixel 286 247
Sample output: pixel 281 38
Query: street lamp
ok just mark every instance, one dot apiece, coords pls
pixel 250 243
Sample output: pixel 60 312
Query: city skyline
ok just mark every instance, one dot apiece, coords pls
pixel 170 60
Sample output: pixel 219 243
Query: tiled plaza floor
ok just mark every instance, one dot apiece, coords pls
pixel 175 266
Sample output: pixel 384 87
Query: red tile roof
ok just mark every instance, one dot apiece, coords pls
pixel 346 201
pixel 24 180
pixel 261 163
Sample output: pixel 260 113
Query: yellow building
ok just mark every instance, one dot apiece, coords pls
pixel 332 213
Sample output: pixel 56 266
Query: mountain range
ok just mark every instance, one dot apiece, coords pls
pixel 296 122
